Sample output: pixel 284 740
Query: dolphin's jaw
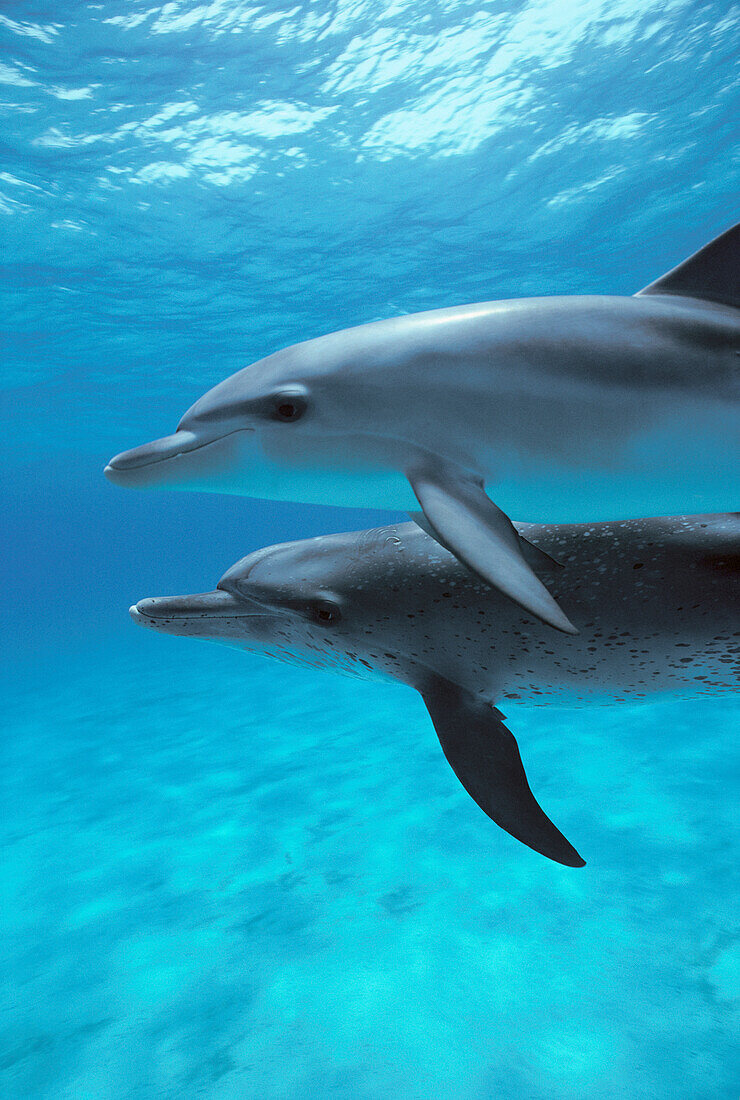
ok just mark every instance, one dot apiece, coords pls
pixel 168 611
pixel 169 446
pixel 168 461
pixel 240 463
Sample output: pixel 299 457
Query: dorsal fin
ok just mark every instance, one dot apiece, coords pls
pixel 712 273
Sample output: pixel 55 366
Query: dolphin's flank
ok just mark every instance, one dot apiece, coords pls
pixel 567 408
pixel 656 602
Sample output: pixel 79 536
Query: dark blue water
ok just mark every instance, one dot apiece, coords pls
pixel 225 878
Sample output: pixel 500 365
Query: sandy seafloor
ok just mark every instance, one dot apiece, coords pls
pixel 225 878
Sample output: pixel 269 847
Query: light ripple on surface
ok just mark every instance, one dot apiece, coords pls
pixel 213 181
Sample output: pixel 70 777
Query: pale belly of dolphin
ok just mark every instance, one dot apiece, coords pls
pixel 687 465
pixel 237 464
pixel 370 488
pixel 576 678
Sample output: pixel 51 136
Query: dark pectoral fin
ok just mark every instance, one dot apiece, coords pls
pixel 485 758
pixel 467 522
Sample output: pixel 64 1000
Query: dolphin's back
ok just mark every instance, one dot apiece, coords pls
pixel 683 542
pixel 656 602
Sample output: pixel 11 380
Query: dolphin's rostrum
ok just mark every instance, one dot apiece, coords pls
pixel 656 602
pixel 569 408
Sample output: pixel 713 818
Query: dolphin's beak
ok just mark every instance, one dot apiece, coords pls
pixel 120 468
pixel 162 610
pixel 183 459
pixel 204 605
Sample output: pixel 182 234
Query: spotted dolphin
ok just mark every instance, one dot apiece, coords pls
pixel 569 407
pixel 656 601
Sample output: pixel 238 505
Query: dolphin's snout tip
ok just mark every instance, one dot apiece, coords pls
pixel 127 468
pixel 122 476
pixel 138 613
pixel 147 611
pixel 116 463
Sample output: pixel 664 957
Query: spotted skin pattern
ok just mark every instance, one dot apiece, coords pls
pixel 655 600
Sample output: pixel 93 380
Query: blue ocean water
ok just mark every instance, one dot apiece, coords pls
pixel 226 878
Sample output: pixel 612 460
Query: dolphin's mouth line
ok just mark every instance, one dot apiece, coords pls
pixel 218 605
pixel 195 617
pixel 139 458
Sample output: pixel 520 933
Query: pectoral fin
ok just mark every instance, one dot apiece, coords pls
pixel 466 522
pixel 485 758
pixel 535 555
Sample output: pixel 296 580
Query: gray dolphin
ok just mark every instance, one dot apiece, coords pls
pixel 571 407
pixel 656 601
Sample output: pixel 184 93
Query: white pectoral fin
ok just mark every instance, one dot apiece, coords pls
pixel 463 519
pixel 485 758
pixel 535 555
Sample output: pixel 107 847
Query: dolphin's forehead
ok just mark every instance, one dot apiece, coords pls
pixel 396 341
pixel 260 379
pixel 305 363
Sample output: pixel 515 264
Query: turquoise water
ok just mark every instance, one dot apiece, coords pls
pixel 227 878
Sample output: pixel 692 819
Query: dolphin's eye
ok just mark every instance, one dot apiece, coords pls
pixel 289 406
pixel 326 613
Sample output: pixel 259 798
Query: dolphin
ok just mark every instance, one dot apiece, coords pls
pixel 656 601
pixel 572 407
